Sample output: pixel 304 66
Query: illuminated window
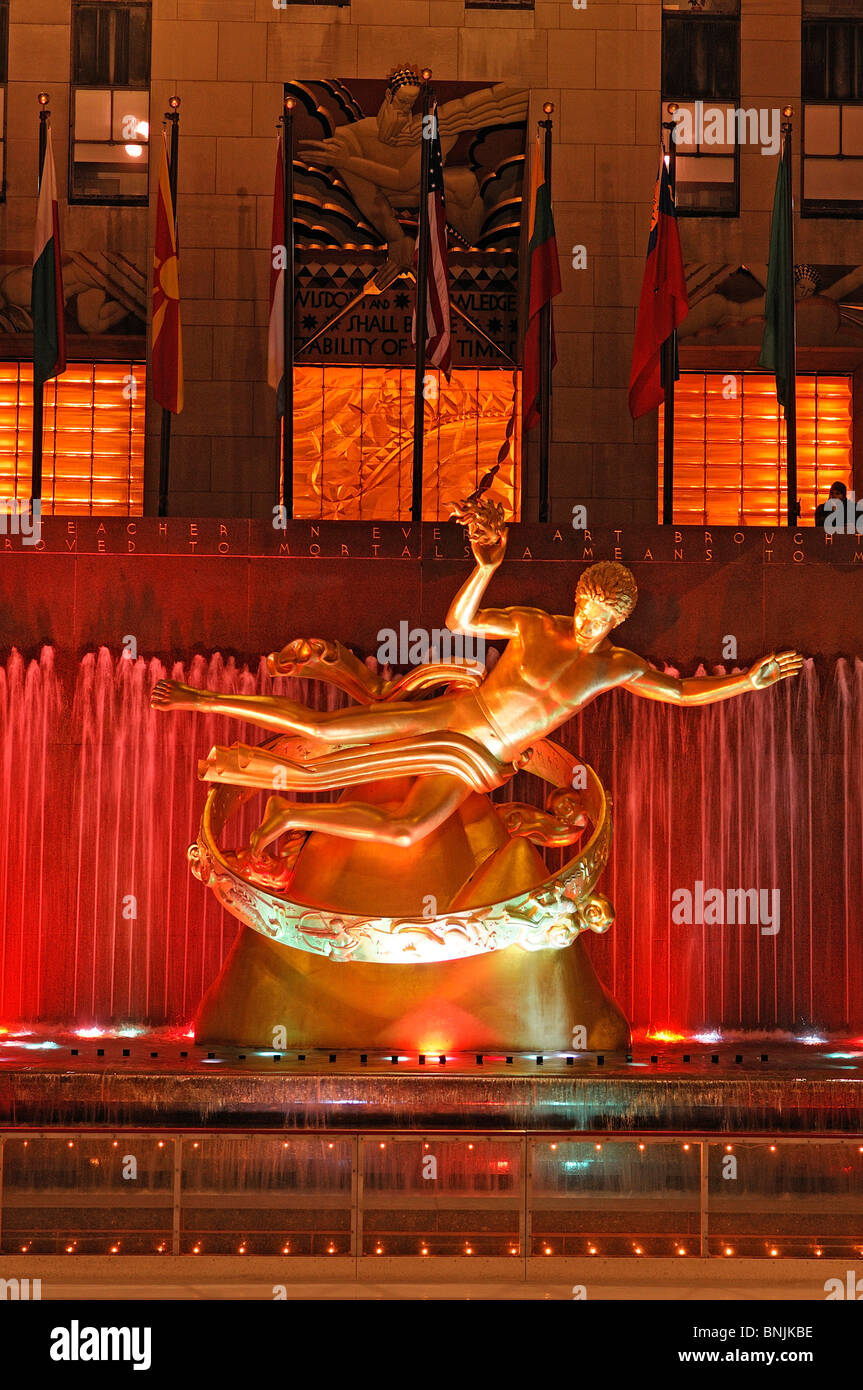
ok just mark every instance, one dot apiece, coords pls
pixel 110 102
pixel 353 441
pixel 833 117
pixel 4 76
pixel 729 447
pixel 701 73
pixel 93 438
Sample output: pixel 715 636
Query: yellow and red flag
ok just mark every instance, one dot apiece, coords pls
pixel 167 351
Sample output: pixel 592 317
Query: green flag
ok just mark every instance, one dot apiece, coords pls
pixel 777 345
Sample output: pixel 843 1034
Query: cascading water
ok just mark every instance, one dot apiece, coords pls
pixel 103 923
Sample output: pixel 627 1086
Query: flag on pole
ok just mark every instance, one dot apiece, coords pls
pixel 777 344
pixel 167 350
pixel 49 328
pixel 663 304
pixel 438 328
pixel 276 336
pixel 543 282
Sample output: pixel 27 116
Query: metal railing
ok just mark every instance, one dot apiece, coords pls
pixel 515 1196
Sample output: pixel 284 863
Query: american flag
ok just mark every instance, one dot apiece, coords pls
pixel 438 330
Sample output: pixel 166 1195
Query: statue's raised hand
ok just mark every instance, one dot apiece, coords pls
pixel 777 666
pixel 486 528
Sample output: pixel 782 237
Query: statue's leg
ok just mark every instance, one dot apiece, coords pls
pixel 428 804
pixel 356 724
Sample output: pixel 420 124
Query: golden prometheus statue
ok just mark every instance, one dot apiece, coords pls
pixel 413 913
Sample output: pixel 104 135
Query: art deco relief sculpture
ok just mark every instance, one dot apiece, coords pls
pixel 413 912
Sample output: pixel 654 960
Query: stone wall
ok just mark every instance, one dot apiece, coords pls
pixel 227 60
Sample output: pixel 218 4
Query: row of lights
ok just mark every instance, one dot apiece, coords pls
pixel 286 1144
pixel 332 1249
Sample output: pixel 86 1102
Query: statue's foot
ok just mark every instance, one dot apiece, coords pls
pixel 263 870
pixel 173 695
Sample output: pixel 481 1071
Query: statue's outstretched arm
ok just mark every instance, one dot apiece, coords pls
pixel 706 690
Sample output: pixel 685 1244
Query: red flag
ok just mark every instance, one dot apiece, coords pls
pixel 438 328
pixel 167 350
pixel 543 281
pixel 663 304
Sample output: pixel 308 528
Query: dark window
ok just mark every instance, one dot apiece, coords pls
pixel 832 139
pixel 832 60
pixel 4 74
pixel 701 68
pixel 498 4
pixel 110 115
pixel 700 56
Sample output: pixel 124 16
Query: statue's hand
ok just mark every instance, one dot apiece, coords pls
pixel 777 666
pixel 323 151
pixel 486 529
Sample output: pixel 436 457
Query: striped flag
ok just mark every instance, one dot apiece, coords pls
pixel 167 350
pixel 438 329
pixel 49 328
pixel 543 283
pixel 278 254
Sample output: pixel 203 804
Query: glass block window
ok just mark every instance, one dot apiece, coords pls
pixel 93 438
pixel 701 73
pixel 110 103
pixel 4 77
pixel 730 447
pixel 832 118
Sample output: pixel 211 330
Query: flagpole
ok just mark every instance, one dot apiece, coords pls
pixel 791 403
pixel 36 471
pixel 421 305
pixel 545 344
pixel 669 354
pixel 165 440
pixel 288 307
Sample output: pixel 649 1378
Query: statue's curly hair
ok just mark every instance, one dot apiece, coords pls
pixel 610 584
